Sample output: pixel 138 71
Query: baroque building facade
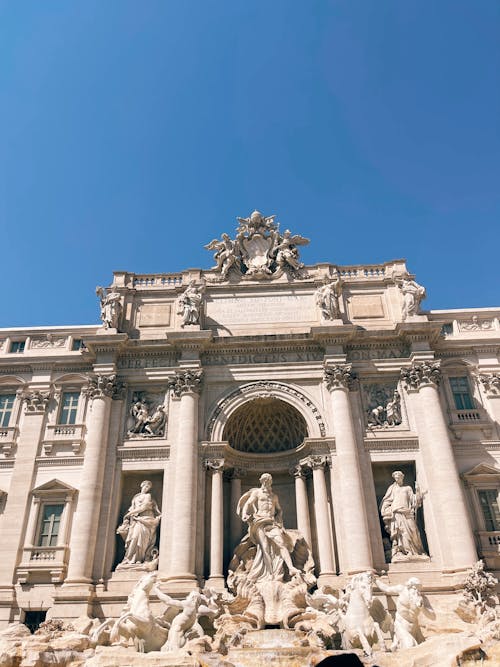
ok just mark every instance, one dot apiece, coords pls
pixel 126 447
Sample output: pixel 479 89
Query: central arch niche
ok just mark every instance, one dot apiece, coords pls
pixel 264 426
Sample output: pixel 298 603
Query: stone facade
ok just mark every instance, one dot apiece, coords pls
pixel 199 382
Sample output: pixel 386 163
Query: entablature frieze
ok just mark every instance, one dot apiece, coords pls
pixel 389 445
pixel 279 461
pixel 143 453
pixel 43 461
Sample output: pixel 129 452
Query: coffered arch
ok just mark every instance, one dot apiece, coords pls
pixel 265 391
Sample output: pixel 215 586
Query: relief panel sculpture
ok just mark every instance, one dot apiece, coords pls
pixel 147 416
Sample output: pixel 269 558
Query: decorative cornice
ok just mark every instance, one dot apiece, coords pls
pixel 421 374
pixel 103 386
pixel 339 376
pixel 143 453
pixel 186 382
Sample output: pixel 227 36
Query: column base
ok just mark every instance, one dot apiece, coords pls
pixel 216 582
pixel 327 579
pixel 180 584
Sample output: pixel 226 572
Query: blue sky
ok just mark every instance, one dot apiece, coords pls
pixel 132 133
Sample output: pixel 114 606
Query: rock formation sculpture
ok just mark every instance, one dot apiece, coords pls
pixel 398 509
pixel 138 530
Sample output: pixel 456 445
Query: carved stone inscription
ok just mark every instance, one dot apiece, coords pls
pixel 261 309
pixel 264 357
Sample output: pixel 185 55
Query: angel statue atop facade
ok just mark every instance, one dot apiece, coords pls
pixel 111 307
pixel 286 252
pixel 227 254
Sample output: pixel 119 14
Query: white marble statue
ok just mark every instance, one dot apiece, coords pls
pixel 286 252
pixel 111 307
pixel 363 618
pixel 398 509
pixel 147 423
pixel 190 304
pixel 261 510
pixel 185 625
pixel 327 298
pixel 272 568
pixel 136 622
pixel 227 254
pixel 410 604
pixel 413 294
pixel 138 529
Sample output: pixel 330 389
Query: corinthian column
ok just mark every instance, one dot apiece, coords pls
pixel 302 503
pixel 356 549
pixel 235 525
pixel 100 390
pixel 445 491
pixel 186 387
pixel 322 515
pixel 216 579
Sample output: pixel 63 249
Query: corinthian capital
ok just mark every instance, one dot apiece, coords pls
pixel 315 462
pixel 339 376
pixel 490 382
pixel 101 386
pixel 35 402
pixel 185 382
pixel 421 374
pixel 214 465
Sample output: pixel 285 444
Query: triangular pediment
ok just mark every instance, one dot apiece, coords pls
pixel 54 485
pixel 481 470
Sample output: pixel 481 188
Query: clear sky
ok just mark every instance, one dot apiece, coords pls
pixel 132 133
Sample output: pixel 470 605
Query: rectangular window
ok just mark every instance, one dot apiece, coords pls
pixel 461 393
pixel 17 346
pixel 491 510
pixel 69 407
pixel 6 405
pixel 77 344
pixel 49 527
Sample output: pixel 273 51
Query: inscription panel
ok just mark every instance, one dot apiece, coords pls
pixel 261 309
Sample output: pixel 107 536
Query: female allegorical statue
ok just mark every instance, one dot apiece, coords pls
pixel 138 529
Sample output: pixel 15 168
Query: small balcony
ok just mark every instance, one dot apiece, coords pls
pixel 8 438
pixel 63 434
pixel 473 419
pixel 489 542
pixel 38 562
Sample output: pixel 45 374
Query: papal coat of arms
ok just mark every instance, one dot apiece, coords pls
pixel 259 251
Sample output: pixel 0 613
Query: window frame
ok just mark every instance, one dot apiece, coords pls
pixel 461 396
pixel 73 409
